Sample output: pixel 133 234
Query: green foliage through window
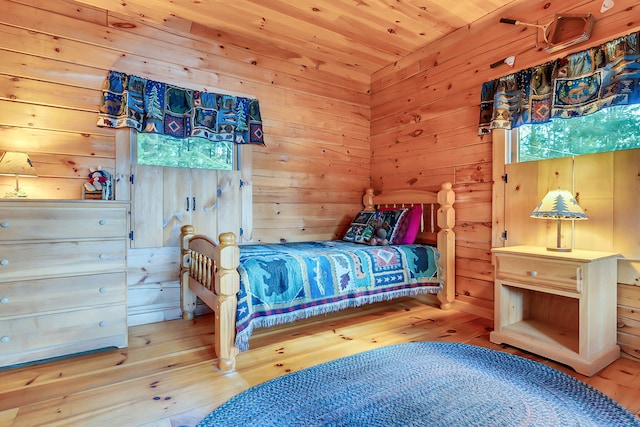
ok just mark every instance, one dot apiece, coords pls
pixel 163 150
pixel 610 129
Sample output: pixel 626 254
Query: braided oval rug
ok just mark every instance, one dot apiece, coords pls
pixel 423 384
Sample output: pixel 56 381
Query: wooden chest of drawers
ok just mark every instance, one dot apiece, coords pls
pixel 62 278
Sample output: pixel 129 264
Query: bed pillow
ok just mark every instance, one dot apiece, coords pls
pixel 414 220
pixel 394 220
pixel 409 226
pixel 361 228
pixel 363 225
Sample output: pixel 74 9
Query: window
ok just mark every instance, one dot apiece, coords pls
pixel 610 129
pixel 162 150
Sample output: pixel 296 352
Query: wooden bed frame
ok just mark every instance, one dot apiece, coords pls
pixel 209 270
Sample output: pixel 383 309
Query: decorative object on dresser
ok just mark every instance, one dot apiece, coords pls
pixel 560 305
pixel 561 206
pixel 99 186
pixel 16 164
pixel 62 278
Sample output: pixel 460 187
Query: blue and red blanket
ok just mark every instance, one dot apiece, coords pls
pixel 284 282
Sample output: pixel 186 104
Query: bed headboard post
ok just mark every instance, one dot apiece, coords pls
pixel 367 200
pixel 447 242
pixel 188 298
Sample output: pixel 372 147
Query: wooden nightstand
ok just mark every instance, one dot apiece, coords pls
pixel 560 305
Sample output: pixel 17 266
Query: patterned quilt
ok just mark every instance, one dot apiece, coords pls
pixel 280 283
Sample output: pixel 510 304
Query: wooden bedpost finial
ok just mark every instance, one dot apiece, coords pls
pixel 446 196
pixel 227 239
pixel 446 213
pixel 367 200
pixel 188 229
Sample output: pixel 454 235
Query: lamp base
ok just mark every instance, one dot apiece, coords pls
pixel 559 249
pixel 15 194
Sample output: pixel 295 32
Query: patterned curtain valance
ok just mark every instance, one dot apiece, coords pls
pixel 150 106
pixel 576 85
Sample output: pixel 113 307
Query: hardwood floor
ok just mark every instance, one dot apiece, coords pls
pixel 166 376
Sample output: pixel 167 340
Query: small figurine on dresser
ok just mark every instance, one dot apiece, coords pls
pixel 99 186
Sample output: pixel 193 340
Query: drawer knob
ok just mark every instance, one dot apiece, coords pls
pixel 4 261
pixel 4 224
pixel 102 222
pixel 103 290
pixel 102 324
pixel 102 256
pixel 4 339
pixel 533 273
pixel 4 300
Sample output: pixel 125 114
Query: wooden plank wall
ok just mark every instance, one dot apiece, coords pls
pixel 424 120
pixel 307 182
pixel 326 135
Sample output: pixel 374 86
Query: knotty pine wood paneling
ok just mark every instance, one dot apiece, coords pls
pixel 55 55
pixel 424 117
pixel 316 123
pixel 330 133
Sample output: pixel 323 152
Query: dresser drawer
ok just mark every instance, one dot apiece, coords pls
pixel 50 259
pixel 563 275
pixel 51 330
pixel 61 221
pixel 29 297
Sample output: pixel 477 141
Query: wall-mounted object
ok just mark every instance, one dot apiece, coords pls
pixel 559 205
pixel 606 5
pixel 16 164
pixel 563 31
pixel 509 60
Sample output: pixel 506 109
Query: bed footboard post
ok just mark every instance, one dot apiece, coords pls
pixel 187 297
pixel 447 244
pixel 227 286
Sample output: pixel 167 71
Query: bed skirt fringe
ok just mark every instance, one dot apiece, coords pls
pixel 242 337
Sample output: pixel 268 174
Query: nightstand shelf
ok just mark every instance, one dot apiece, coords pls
pixel 543 333
pixel 560 305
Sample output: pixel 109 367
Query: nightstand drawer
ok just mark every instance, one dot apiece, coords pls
pixel 26 334
pixel 563 275
pixel 30 297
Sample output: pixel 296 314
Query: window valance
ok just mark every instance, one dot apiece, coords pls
pixel 156 107
pixel 576 85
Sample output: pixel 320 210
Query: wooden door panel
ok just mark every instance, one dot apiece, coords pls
pixel 204 189
pixel 177 204
pixel 147 209
pixel 164 201
pixel 229 216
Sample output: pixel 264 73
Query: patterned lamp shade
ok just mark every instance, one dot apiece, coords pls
pixel 559 205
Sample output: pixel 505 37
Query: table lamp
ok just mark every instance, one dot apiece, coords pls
pixel 16 164
pixel 559 205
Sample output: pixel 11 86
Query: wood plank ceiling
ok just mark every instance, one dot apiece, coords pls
pixel 356 36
